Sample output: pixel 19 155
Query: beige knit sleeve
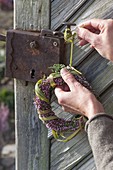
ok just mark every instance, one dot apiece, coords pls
pixel 100 135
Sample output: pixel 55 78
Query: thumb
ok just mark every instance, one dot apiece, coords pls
pixel 68 78
pixel 87 35
pixel 59 92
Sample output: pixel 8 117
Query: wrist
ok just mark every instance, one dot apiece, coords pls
pixel 94 107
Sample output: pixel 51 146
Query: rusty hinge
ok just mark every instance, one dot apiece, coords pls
pixel 30 53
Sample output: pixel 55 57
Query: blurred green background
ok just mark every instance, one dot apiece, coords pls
pixel 7 120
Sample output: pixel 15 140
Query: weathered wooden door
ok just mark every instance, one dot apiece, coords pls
pixel 33 149
pixel 76 154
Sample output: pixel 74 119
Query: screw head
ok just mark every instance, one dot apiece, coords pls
pixel 55 44
pixel 33 45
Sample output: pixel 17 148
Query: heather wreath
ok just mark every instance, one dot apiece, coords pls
pixel 44 89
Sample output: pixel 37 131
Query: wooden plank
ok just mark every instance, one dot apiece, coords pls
pixel 81 53
pixel 88 164
pixel 95 76
pixel 32 145
pixel 69 155
pixel 98 72
pixel 62 11
pixel 66 155
pixel 98 9
pixel 95 9
pixel 33 14
pixel 78 11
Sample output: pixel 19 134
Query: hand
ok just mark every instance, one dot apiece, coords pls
pixel 77 97
pixel 99 33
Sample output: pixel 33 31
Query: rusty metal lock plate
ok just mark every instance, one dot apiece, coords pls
pixel 29 54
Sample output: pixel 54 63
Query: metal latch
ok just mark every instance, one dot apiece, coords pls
pixel 30 53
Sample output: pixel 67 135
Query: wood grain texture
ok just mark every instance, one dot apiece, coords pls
pixel 32 145
pixel 67 155
pixel 88 164
pixel 33 14
pixel 101 9
pixel 98 72
pixel 96 9
pixel 62 11
pixel 75 154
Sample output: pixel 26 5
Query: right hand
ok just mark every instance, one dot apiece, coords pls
pixel 99 33
pixel 77 98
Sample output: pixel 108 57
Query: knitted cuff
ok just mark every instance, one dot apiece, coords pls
pixel 96 117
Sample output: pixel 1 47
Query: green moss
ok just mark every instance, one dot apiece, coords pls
pixel 7 97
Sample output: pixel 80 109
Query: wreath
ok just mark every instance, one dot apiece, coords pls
pixel 44 89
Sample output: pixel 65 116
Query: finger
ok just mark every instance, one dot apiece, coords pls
pixel 68 78
pixel 60 93
pixel 82 42
pixel 87 35
pixel 79 38
pixel 93 23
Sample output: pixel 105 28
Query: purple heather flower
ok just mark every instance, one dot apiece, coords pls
pixel 58 124
pixel 4 113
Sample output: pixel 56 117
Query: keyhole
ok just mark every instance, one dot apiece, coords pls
pixel 32 73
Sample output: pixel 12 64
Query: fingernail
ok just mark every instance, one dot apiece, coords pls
pixel 64 71
pixel 77 29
